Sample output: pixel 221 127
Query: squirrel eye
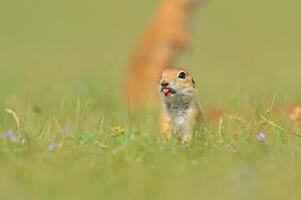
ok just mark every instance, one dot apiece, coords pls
pixel 182 75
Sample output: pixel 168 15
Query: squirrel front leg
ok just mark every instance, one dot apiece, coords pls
pixel 165 125
pixel 194 124
pixel 187 136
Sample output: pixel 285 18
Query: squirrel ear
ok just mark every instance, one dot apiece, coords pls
pixel 193 81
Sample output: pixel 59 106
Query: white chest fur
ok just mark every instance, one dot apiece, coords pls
pixel 178 118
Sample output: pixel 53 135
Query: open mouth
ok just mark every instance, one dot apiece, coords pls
pixel 167 91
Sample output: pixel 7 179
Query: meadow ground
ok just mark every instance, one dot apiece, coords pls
pixel 61 69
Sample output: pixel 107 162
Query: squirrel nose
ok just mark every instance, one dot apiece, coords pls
pixel 164 84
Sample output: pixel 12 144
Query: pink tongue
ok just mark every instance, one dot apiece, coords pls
pixel 166 91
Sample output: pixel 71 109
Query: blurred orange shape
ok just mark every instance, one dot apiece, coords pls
pixel 295 114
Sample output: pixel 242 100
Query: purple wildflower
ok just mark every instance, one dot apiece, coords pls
pixel 260 136
pixel 52 146
pixel 10 135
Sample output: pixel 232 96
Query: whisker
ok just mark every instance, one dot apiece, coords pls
pixel 156 80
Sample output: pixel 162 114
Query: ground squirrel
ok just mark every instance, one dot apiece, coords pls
pixel 182 114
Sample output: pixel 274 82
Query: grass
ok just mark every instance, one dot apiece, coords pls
pixel 61 70
pixel 96 159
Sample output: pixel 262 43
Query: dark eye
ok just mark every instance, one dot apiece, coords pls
pixel 182 75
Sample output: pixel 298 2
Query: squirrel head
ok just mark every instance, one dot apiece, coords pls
pixel 177 83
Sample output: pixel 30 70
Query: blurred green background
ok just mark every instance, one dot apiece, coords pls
pixel 61 64
pixel 74 47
